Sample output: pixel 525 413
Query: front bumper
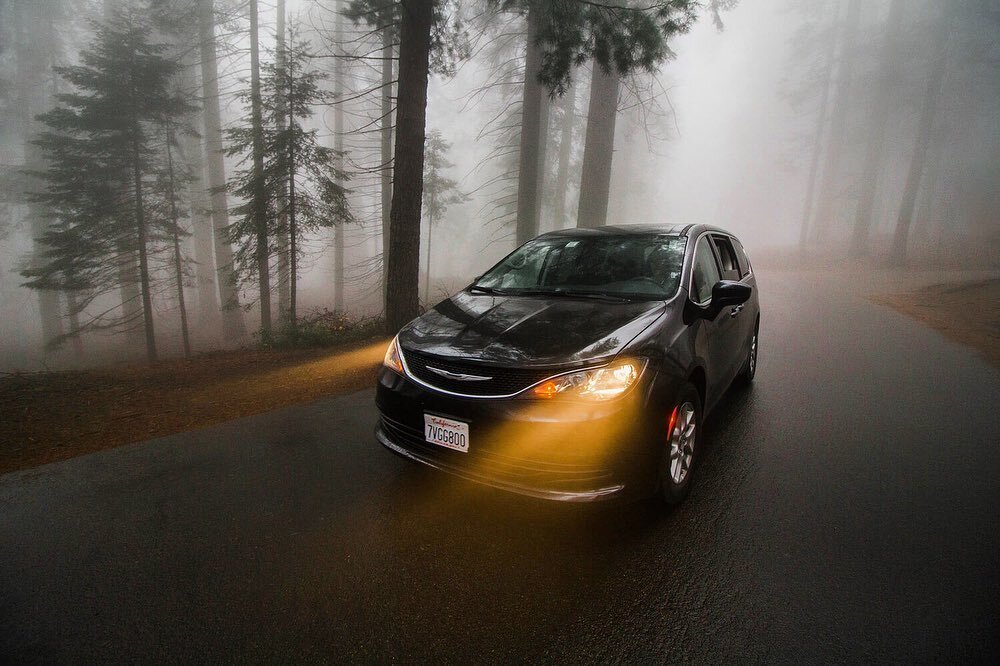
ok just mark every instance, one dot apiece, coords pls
pixel 497 481
pixel 549 450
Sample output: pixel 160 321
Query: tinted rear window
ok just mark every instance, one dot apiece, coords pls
pixel 745 267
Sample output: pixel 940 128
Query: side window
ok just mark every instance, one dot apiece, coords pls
pixel 730 266
pixel 745 267
pixel 704 273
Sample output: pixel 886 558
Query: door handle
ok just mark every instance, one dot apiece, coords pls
pixel 736 310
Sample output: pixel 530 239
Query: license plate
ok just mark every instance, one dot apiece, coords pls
pixel 446 432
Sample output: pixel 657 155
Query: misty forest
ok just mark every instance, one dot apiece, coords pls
pixel 180 176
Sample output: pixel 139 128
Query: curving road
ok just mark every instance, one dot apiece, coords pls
pixel 848 508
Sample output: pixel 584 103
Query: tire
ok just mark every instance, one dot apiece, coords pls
pixel 679 447
pixel 749 369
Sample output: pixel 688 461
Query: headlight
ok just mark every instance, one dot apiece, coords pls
pixel 392 359
pixel 604 383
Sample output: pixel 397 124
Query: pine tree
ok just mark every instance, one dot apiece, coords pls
pixel 256 195
pixel 922 140
pixel 621 39
pixel 431 37
pixel 301 182
pixel 383 17
pixel 534 126
pixel 233 325
pixel 171 179
pixel 881 109
pixel 403 259
pixel 101 148
pixel 566 126
pixel 34 34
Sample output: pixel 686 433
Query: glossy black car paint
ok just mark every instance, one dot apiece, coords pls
pixel 565 449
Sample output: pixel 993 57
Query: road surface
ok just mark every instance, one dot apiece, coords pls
pixel 848 508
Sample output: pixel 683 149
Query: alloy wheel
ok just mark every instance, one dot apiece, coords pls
pixel 681 442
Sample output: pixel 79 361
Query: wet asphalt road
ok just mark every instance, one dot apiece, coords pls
pixel 848 508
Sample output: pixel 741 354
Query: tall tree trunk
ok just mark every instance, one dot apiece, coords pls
pixel 876 136
pixel 929 186
pixel 824 103
pixel 565 150
pixel 623 189
pixel 178 263
pixel 35 44
pixel 402 302
pixel 49 305
pixel 339 88
pixel 543 142
pixel 259 201
pixel 141 231
pixel 386 141
pixel 73 309
pixel 427 265
pixel 208 313
pixel 129 270
pixel 338 267
pixel 131 296
pixel 598 151
pixel 233 326
pixel 293 230
pixel 529 174
pixel 282 239
pixel 925 130
pixel 843 100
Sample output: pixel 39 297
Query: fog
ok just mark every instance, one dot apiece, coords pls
pixel 735 130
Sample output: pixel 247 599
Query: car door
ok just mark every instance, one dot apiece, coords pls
pixel 712 340
pixel 735 322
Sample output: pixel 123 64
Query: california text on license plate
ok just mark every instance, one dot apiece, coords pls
pixel 446 432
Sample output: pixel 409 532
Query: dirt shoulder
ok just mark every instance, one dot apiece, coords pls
pixel 967 312
pixel 51 416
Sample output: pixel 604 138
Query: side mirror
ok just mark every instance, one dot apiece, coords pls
pixel 730 292
pixel 724 294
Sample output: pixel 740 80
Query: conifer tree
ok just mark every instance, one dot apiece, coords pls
pixel 101 148
pixel 301 184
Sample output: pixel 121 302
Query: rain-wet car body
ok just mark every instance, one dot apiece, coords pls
pixel 583 385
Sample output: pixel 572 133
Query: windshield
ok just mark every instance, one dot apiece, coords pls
pixel 633 267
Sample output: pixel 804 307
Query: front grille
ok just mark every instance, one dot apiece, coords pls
pixel 503 381
pixel 566 475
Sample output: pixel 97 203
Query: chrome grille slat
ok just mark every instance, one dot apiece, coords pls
pixel 500 382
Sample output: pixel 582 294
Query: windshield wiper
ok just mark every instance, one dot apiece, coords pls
pixel 489 290
pixel 596 295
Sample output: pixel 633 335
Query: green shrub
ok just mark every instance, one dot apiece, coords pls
pixel 321 328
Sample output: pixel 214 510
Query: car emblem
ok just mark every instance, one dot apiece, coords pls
pixel 458 375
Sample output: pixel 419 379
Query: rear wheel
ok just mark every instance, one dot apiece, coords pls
pixel 679 448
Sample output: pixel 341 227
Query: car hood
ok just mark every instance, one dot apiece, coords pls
pixel 528 330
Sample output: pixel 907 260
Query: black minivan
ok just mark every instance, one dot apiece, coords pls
pixel 580 367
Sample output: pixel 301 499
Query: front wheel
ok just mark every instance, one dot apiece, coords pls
pixel 749 368
pixel 679 447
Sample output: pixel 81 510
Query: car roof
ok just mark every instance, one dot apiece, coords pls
pixel 635 230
